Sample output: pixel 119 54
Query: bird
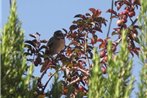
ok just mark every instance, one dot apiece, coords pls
pixel 55 43
pixel 54 46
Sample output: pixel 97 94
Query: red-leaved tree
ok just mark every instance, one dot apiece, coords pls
pixel 75 60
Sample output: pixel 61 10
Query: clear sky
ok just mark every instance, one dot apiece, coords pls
pixel 47 16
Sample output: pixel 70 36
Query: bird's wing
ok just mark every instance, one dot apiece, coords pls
pixel 50 42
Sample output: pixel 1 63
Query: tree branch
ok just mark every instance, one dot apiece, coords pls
pixel 10 2
pixel 76 80
pixel 110 20
pixel 82 70
pixel 49 79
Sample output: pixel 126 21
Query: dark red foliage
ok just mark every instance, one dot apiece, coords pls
pixel 75 61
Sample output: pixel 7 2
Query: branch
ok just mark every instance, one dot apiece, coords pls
pixel 49 80
pixel 32 76
pixel 10 2
pixel 85 48
pixel 82 70
pixel 43 73
pixel 48 66
pixel 76 80
pixel 110 20
pixel 134 21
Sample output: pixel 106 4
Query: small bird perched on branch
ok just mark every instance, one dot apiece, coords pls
pixel 54 46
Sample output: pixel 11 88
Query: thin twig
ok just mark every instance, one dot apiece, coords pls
pixel 131 19
pixel 110 20
pixel 118 40
pixel 134 21
pixel 27 75
pixel 76 80
pixel 48 65
pixel 82 70
pixel 49 79
pixel 43 73
pixel 10 2
pixel 85 48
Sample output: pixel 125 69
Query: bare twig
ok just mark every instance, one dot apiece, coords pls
pixel 134 21
pixel 48 66
pixel 76 80
pixel 10 2
pixel 131 19
pixel 118 41
pixel 85 48
pixel 43 73
pixel 27 75
pixel 82 70
pixel 110 20
pixel 49 79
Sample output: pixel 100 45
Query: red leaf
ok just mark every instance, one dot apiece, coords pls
pixel 43 47
pixel 97 13
pixel 114 33
pixel 126 2
pixel 112 11
pixel 43 41
pixel 98 29
pixel 73 27
pixel 136 51
pixel 99 40
pixel 32 35
pixel 87 14
pixel 102 45
pixel 64 30
pixel 137 2
pixel 27 53
pixel 35 35
pixel 103 69
pixel 93 10
pixel 79 16
pixel 117 29
pixel 81 34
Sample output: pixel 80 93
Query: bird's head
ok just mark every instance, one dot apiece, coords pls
pixel 59 34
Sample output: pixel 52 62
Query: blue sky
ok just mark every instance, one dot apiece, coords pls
pixel 47 16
